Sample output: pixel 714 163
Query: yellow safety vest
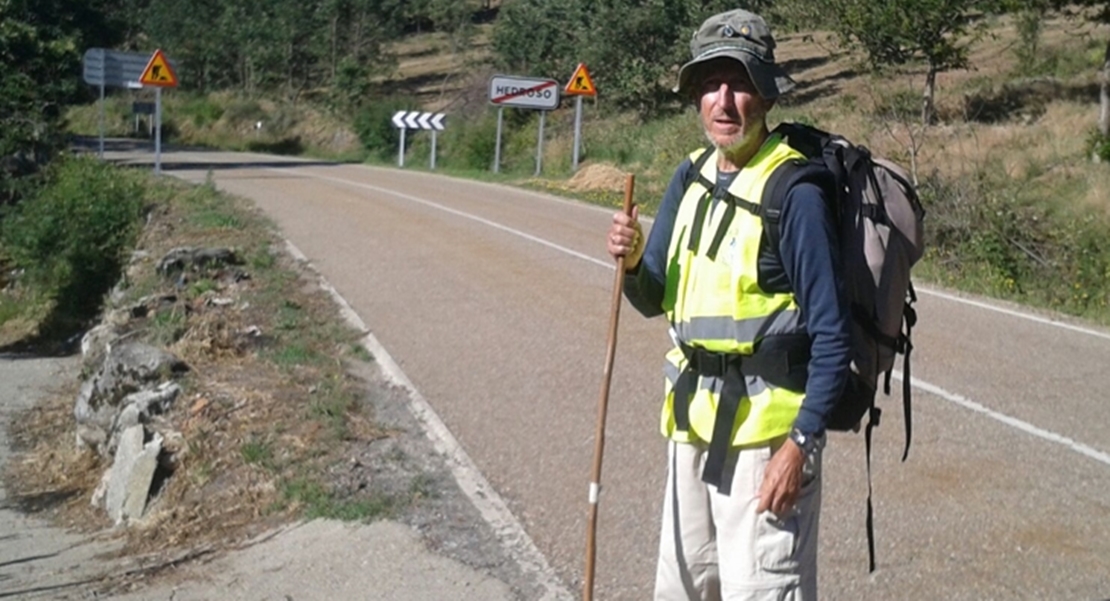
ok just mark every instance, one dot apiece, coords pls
pixel 715 302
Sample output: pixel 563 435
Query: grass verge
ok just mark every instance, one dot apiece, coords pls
pixel 273 423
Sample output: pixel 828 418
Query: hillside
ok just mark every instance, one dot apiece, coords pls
pixel 1016 207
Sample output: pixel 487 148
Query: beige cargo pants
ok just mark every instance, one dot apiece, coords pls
pixel 715 547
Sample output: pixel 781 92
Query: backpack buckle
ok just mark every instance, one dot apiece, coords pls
pixel 709 363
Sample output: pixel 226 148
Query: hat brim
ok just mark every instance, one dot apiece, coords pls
pixel 770 80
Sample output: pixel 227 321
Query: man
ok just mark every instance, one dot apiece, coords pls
pixel 761 337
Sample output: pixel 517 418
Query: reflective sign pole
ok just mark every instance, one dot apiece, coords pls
pixel 539 145
pixel 580 84
pixel 401 150
pixel 101 153
pixel 432 161
pixel 158 131
pixel 497 147
pixel 577 130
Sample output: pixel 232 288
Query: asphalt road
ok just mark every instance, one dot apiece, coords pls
pixel 494 301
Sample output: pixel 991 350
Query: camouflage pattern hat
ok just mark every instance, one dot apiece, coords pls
pixel 743 36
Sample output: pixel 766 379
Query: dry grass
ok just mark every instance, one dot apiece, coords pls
pixel 257 412
pixel 1040 135
pixel 50 475
pixel 439 73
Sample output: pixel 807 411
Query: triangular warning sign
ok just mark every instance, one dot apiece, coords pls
pixel 580 83
pixel 158 72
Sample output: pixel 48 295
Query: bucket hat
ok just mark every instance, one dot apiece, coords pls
pixel 743 36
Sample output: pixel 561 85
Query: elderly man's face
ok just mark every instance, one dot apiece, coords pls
pixel 732 111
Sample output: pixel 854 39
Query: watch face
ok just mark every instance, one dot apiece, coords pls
pixel 803 441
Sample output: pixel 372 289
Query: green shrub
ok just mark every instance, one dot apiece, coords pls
pixel 241 112
pixel 71 238
pixel 1000 237
pixel 374 126
pixel 472 143
pixel 201 111
pixel 1098 145
pixel 897 103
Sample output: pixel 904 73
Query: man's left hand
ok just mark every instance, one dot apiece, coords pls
pixel 782 480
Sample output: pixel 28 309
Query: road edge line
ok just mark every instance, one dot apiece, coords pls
pixel 474 485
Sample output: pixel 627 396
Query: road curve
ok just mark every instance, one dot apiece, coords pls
pixel 494 301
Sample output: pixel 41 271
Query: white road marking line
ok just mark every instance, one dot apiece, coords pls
pixel 1013 313
pixel 924 386
pixel 470 479
pixel 924 290
pixel 1013 422
pixel 465 215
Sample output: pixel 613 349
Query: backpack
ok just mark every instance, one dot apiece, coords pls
pixel 881 236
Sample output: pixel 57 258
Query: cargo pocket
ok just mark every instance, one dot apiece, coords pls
pixel 776 543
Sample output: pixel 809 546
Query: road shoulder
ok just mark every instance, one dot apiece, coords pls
pixel 443 550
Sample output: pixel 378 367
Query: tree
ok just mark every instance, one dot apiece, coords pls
pixel 631 46
pixel 41 43
pixel 539 38
pixel 637 72
pixel 1093 11
pixel 1097 11
pixel 896 32
pixel 193 35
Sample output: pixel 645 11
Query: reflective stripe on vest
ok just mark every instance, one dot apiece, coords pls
pixel 715 303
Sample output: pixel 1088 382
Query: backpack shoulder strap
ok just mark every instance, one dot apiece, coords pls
pixel 781 181
pixel 806 139
pixel 695 170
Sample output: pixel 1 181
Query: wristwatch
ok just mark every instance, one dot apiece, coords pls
pixel 808 443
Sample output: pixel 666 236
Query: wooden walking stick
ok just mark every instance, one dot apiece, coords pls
pixel 602 409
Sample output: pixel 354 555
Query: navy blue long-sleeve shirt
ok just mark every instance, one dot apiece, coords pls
pixel 811 259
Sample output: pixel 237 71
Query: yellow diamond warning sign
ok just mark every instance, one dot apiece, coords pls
pixel 580 83
pixel 158 72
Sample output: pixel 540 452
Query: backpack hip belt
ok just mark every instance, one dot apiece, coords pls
pixel 781 361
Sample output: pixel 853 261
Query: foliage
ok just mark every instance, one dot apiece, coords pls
pixel 351 87
pixel 637 75
pixel 373 124
pixel 316 501
pixel 898 32
pixel 71 238
pixel 201 110
pixel 40 50
pixel 539 38
pixel 1029 22
pixel 630 46
pixel 292 47
pixel 996 235
pixel 1098 146
pixel 472 144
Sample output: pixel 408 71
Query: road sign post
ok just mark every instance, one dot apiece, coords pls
pixel 539 145
pixel 147 109
pixel 401 149
pixel 432 157
pixel 497 146
pixel 100 122
pixel 406 120
pixel 112 69
pixel 160 74
pixel 577 133
pixel 157 131
pixel 580 84
pixel 526 93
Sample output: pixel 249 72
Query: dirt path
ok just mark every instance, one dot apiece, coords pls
pixel 36 560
